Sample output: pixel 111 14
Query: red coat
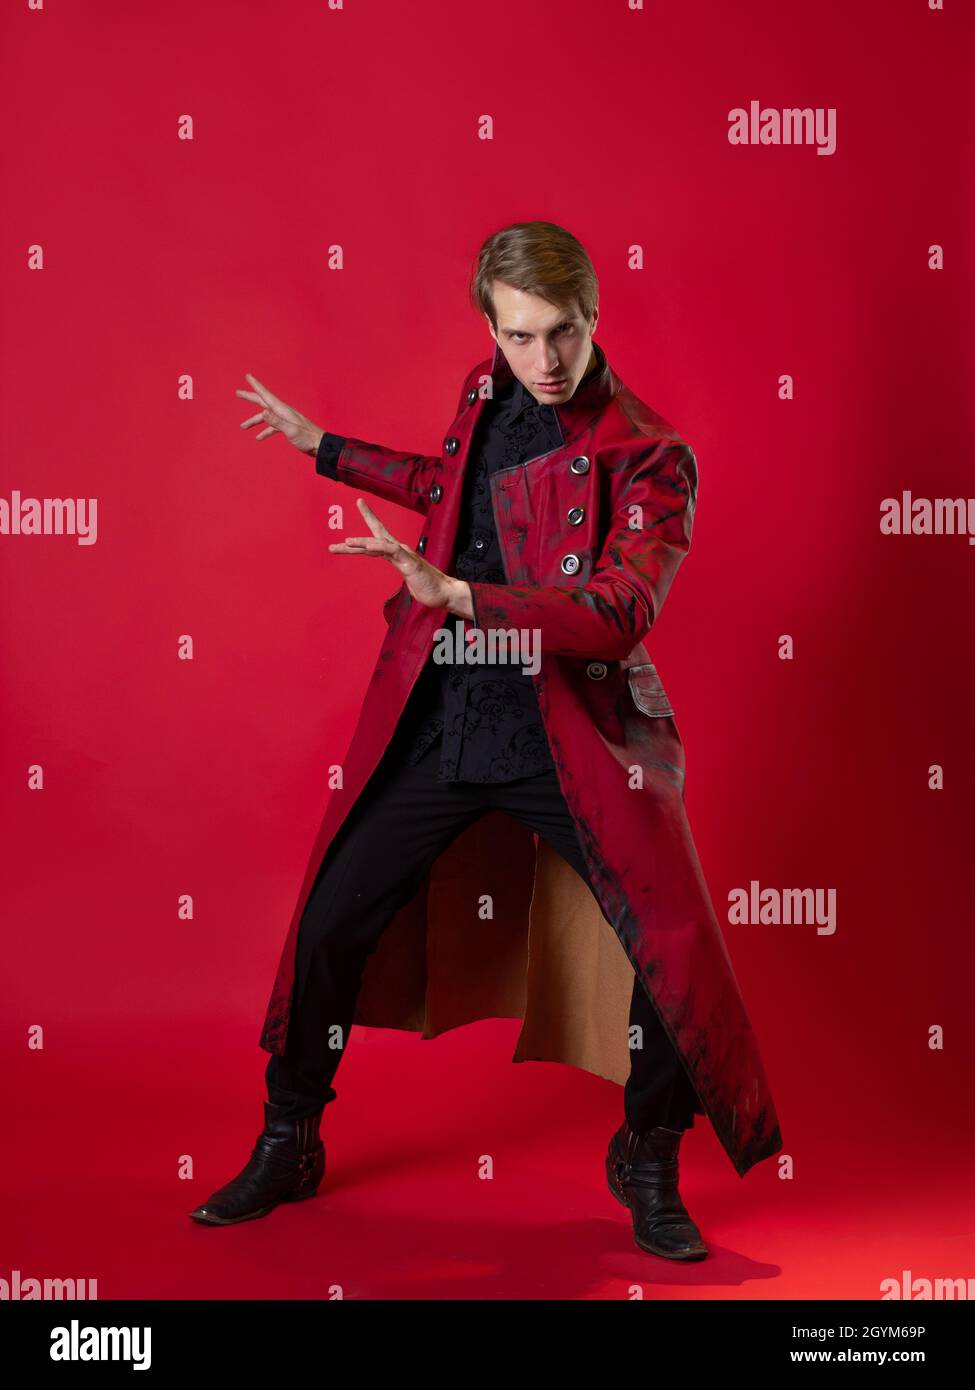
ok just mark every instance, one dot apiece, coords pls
pixel 592 534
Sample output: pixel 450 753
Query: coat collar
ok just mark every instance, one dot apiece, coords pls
pixel 597 387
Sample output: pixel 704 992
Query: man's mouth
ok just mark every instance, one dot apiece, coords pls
pixel 550 385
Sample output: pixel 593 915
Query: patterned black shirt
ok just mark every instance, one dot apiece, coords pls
pixel 486 716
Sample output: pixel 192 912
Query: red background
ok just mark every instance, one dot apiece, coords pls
pixel 208 256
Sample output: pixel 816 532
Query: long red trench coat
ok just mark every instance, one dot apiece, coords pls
pixel 591 535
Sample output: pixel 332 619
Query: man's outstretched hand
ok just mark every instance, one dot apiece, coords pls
pixel 279 418
pixel 426 583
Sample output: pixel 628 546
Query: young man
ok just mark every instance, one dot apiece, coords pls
pixel 557 515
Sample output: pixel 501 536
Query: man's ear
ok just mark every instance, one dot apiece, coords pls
pixel 595 320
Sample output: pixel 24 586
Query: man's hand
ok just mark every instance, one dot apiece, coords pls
pixel 280 418
pixel 426 583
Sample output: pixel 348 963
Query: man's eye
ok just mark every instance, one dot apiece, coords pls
pixel 563 328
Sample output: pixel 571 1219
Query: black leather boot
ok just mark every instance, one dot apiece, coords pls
pixel 641 1170
pixel 286 1164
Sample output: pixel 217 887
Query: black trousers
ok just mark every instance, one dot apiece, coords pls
pixel 401 822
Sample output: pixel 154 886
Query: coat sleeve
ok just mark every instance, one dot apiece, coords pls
pixel 389 473
pixel 648 536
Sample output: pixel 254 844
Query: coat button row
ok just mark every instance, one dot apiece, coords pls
pixel 436 492
pixel 571 564
pixel 579 464
pixel 596 670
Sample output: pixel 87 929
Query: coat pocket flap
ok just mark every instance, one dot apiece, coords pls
pixel 647 690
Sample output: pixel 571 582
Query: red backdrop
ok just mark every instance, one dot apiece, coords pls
pixel 167 258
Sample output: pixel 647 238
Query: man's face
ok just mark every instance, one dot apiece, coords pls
pixel 548 349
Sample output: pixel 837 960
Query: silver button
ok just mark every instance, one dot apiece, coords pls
pixel 421 545
pixel 596 670
pixel 436 492
pixel 579 465
pixel 471 397
pixel 451 445
pixel 571 564
pixel 576 515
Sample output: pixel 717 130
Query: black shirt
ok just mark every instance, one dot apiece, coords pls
pixel 486 716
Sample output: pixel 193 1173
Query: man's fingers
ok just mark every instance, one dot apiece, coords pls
pixel 268 397
pixel 381 542
pixel 372 520
pixel 371 548
pixel 368 545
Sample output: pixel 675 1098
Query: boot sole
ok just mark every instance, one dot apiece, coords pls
pixel 620 1196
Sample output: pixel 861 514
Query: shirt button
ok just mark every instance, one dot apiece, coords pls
pixel 478 545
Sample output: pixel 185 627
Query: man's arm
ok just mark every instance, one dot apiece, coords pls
pixel 389 473
pixel 614 610
pixel 409 479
